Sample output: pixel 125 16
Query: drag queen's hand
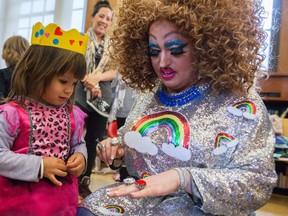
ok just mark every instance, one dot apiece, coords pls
pixel 108 151
pixel 157 185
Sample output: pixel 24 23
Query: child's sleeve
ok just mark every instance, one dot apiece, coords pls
pixel 13 165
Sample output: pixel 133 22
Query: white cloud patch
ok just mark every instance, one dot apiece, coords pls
pixel 238 112
pixel 141 144
pixel 108 212
pixel 234 111
pixel 178 152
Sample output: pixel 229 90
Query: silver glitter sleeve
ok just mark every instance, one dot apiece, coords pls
pixel 241 181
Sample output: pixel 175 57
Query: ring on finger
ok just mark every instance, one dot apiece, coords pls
pixel 140 184
pixel 101 146
pixel 114 141
pixel 129 181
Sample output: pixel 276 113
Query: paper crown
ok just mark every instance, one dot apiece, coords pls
pixel 52 35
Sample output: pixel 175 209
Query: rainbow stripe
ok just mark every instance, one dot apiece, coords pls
pixel 222 138
pixel 145 175
pixel 246 106
pixel 176 125
pixel 114 208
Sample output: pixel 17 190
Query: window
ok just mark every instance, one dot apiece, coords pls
pixel 272 27
pixel 78 11
pixel 275 25
pixel 34 11
pixel 44 11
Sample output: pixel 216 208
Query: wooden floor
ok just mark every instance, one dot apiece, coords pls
pixel 101 180
pixel 277 205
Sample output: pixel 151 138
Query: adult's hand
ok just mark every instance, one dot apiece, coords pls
pixel 96 92
pixel 156 185
pixel 91 80
pixel 107 152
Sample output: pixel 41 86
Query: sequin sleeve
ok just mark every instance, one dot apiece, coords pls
pixel 245 182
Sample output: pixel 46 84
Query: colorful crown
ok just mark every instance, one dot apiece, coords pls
pixel 53 35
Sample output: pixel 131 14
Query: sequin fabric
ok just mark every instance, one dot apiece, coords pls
pixel 229 152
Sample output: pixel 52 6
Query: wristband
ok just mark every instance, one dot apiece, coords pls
pixel 41 169
pixel 185 179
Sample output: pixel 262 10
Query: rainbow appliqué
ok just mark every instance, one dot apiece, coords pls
pixel 111 210
pixel 178 135
pixel 176 125
pixel 247 109
pixel 224 141
pixel 145 175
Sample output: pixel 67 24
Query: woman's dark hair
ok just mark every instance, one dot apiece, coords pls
pixel 100 4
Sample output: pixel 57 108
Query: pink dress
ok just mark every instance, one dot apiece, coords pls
pixel 41 131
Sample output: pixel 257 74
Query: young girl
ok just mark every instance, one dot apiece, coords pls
pixel 42 151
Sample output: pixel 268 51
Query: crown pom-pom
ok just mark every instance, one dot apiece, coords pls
pixel 52 35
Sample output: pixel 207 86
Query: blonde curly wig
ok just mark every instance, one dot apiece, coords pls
pixel 227 36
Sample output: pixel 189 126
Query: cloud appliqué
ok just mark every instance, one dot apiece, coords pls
pixel 177 152
pixel 142 144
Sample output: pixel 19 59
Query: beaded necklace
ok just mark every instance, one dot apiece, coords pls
pixel 182 98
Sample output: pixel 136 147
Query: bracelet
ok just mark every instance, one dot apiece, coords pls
pixel 185 180
pixel 41 169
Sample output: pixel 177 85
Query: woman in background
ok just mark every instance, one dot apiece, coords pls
pixel 94 93
pixel 13 49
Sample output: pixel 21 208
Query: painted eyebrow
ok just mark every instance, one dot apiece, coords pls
pixel 175 42
pixel 178 42
pixel 151 44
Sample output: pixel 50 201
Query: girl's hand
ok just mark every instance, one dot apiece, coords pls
pixel 107 152
pixel 76 164
pixel 157 185
pixel 54 167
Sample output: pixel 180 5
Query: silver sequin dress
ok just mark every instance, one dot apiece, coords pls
pixel 227 143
